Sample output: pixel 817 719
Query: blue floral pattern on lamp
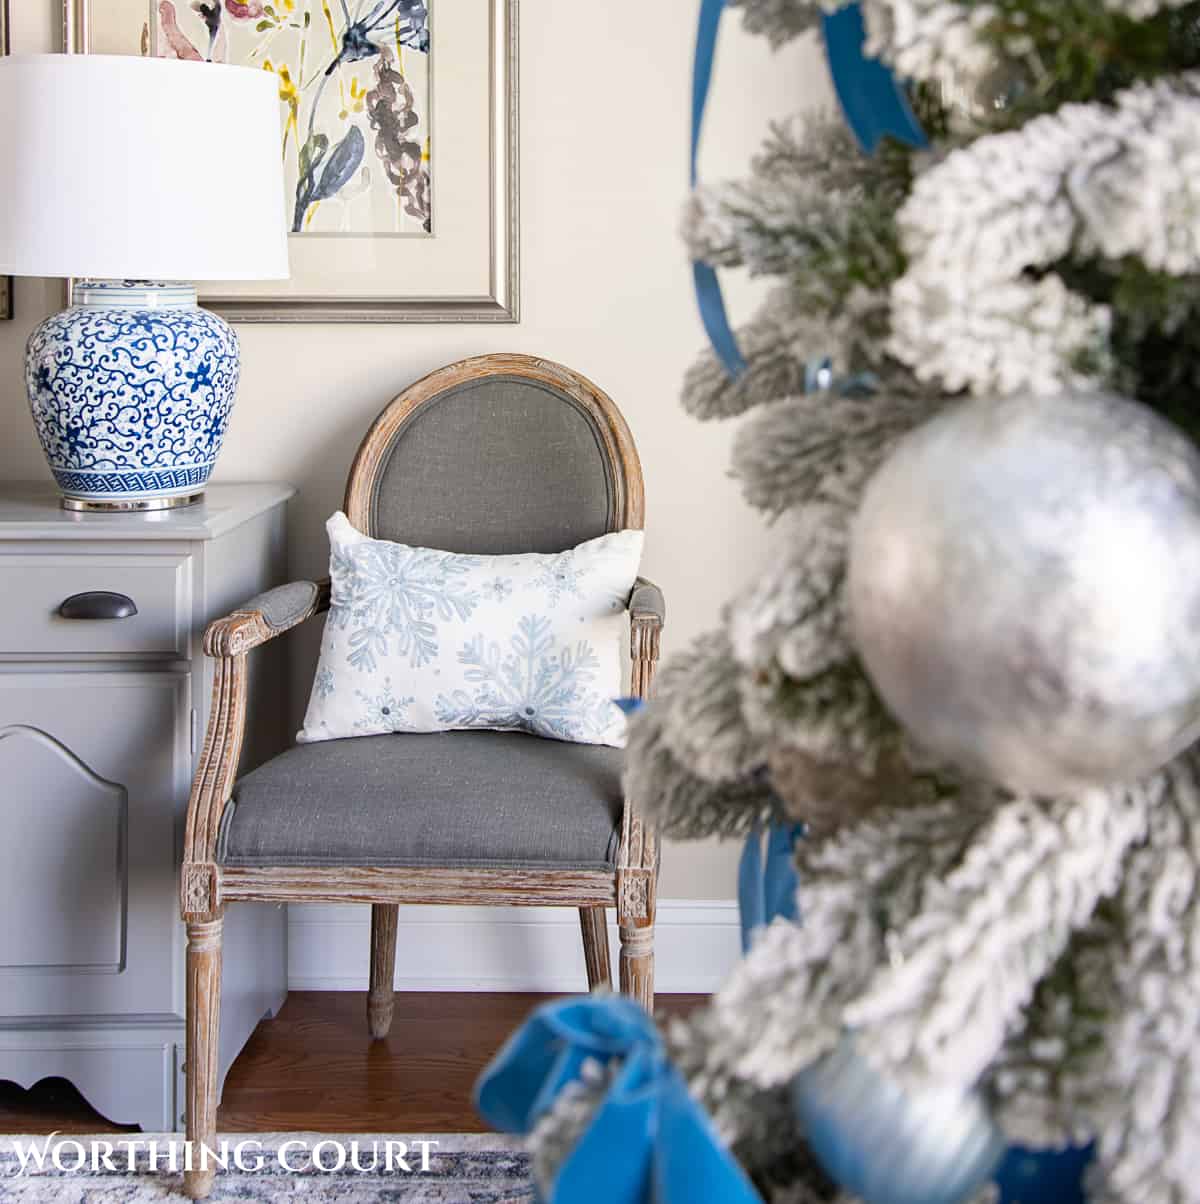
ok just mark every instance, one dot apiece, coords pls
pixel 131 390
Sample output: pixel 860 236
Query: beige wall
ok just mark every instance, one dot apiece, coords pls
pixel 605 289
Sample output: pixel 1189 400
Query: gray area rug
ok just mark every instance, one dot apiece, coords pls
pixel 462 1168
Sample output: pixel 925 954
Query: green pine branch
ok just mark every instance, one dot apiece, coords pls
pixel 1062 51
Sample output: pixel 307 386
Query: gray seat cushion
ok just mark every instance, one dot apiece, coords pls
pixel 483 799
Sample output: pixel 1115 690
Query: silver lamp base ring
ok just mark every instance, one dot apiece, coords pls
pixel 91 506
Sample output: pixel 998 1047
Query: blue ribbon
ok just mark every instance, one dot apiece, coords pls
pixel 767 880
pixel 648 1142
pixel 708 289
pixel 875 107
pixel 872 101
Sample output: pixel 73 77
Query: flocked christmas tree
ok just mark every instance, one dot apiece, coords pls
pixel 1035 951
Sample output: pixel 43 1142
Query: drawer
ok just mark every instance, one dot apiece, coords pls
pixel 33 587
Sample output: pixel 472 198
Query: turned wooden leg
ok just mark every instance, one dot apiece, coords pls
pixel 637 964
pixel 203 1023
pixel 594 922
pixel 382 995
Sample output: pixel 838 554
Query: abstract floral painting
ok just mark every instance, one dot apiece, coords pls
pixel 354 98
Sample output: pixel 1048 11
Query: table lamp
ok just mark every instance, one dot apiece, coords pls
pixel 135 177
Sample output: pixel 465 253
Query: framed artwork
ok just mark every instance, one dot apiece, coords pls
pixel 6 284
pixel 398 134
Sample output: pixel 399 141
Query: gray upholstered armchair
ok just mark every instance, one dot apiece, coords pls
pixel 502 453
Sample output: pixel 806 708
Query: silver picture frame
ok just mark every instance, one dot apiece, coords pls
pixel 6 282
pixel 501 301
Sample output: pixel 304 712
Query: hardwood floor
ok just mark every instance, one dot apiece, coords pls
pixel 315 1067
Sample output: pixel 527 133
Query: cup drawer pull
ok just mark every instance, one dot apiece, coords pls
pixel 98 604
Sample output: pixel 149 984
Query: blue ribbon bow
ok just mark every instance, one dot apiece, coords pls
pixel 648 1142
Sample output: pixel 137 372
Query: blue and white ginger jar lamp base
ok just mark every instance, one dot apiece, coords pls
pixel 131 390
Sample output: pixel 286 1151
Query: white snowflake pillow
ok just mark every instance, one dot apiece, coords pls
pixel 418 640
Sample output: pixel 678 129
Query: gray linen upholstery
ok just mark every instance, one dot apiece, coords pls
pixel 482 799
pixel 284 604
pixel 647 599
pixel 493 466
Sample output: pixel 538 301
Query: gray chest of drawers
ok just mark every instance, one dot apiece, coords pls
pixel 100 724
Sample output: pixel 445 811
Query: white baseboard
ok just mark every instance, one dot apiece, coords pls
pixel 503 948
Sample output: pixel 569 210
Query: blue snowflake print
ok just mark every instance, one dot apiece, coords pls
pixel 498 588
pixel 559 577
pixel 324 682
pixel 385 592
pixel 537 687
pixel 383 712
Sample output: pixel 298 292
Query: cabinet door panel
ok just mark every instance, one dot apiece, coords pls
pixel 93 767
pixel 68 864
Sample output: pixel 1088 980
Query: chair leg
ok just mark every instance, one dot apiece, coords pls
pixel 203 1025
pixel 637 964
pixel 381 997
pixel 594 922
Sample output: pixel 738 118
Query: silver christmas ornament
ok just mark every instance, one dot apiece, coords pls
pixel 1024 589
pixel 976 99
pixel 889 1144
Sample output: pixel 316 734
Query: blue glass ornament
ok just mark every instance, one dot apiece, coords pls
pixel 893 1145
pixel 1043 1176
pixel 818 374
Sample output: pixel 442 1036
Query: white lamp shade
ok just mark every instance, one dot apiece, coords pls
pixel 139 168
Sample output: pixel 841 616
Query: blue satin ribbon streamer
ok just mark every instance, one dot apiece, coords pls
pixel 875 107
pixel 767 878
pixel 873 102
pixel 708 289
pixel 649 1142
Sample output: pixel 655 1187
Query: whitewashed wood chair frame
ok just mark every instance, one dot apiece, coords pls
pixel 207 887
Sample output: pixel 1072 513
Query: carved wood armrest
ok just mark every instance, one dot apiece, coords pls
pixel 647 617
pixel 647 602
pixel 266 616
pixel 637 868
pixel 227 641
